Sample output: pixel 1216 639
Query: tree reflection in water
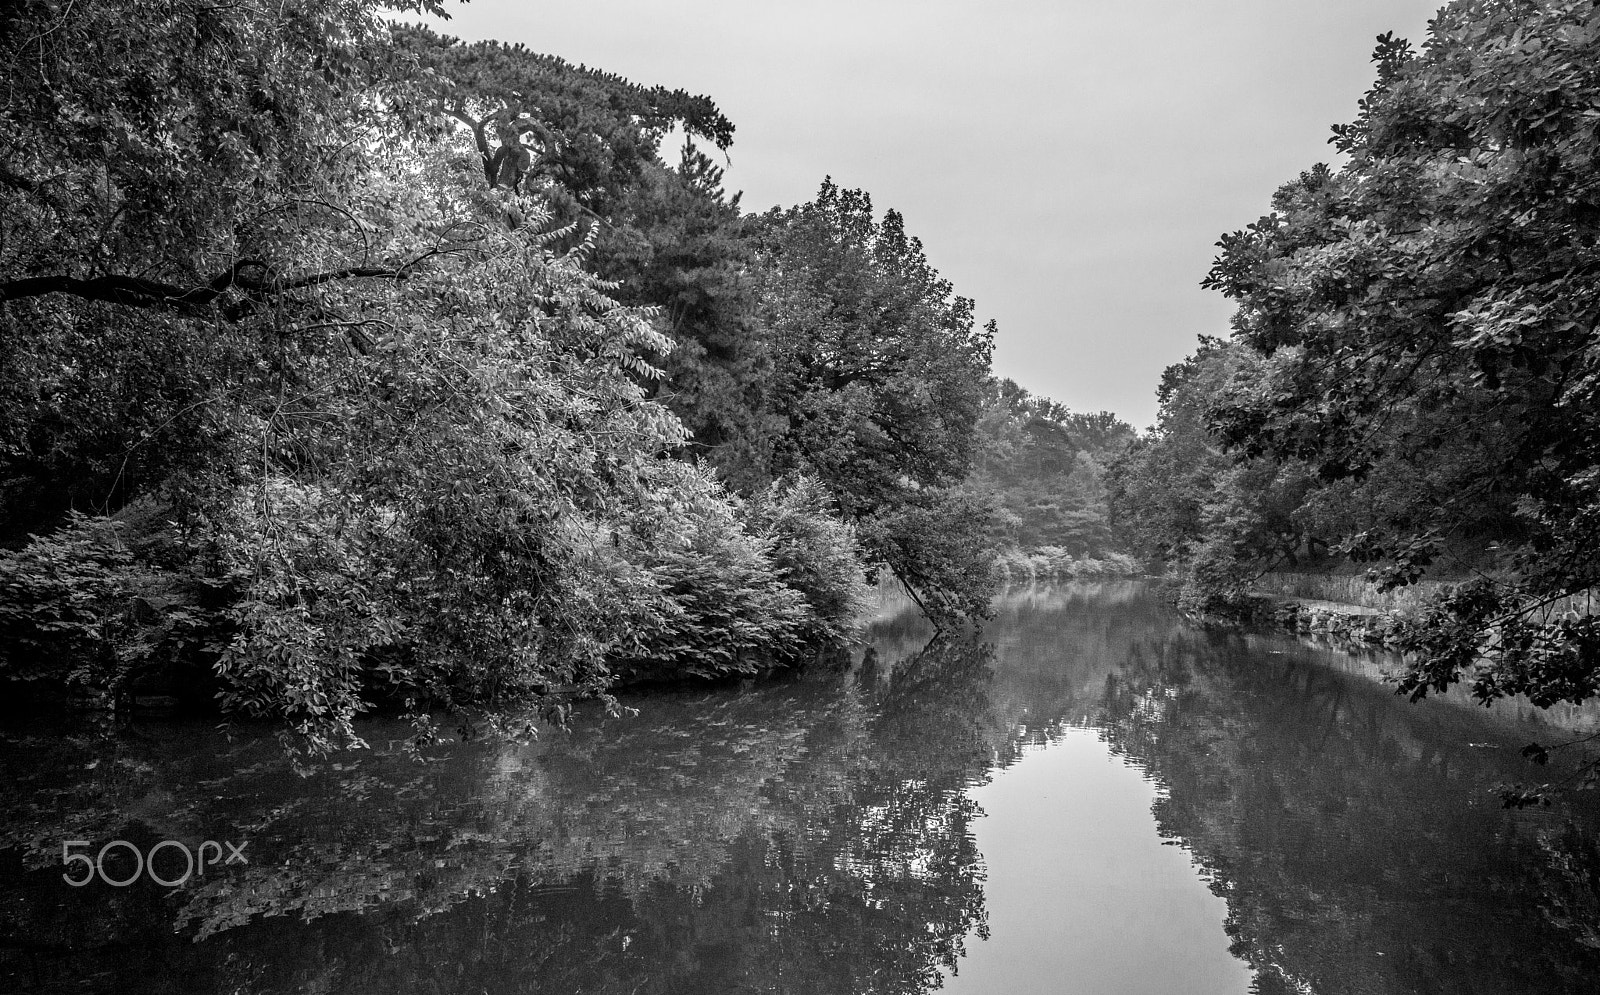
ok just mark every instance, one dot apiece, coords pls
pixel 1354 836
pixel 807 835
pixel 814 834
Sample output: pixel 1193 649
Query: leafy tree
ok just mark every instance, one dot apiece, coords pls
pixel 588 132
pixel 169 175
pixel 1430 309
pixel 1178 496
pixel 879 371
pixel 402 447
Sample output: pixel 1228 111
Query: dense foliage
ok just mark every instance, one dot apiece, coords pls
pixel 816 340
pixel 345 365
pixel 1176 495
pixel 878 374
pixel 1044 467
pixel 1413 370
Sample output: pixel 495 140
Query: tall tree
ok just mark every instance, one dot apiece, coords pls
pixel 171 176
pixel 880 376
pixel 680 244
pixel 586 132
pixel 1431 309
pixel 1177 495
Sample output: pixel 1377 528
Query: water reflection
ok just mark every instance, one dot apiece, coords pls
pixel 1352 834
pixel 821 834
pixel 809 835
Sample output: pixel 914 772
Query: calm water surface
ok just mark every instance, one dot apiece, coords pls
pixel 1095 796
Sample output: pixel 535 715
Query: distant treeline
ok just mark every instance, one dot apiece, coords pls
pixel 1042 467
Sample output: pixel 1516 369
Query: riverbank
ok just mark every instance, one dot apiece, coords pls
pixel 1337 622
pixel 1346 611
pixel 1055 563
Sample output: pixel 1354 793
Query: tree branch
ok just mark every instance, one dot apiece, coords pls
pixel 351 272
pixel 479 138
pixel 133 291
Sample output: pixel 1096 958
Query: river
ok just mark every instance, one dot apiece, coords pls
pixel 1094 796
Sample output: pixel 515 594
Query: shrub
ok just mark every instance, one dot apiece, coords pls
pixel 726 606
pixel 64 603
pixel 306 570
pixel 814 551
pixel 1054 562
pixel 80 614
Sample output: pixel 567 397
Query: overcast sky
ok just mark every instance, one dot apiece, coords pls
pixel 1067 163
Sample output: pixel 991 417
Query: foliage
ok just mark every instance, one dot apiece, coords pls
pixel 432 502
pixel 747 584
pixel 168 172
pixel 881 368
pixel 1055 562
pixel 880 371
pixel 84 617
pixel 167 133
pixel 587 142
pixel 1347 589
pixel 65 608
pixel 1427 318
pixel 678 243
pixel 727 607
pixel 1044 467
pixel 407 429
pixel 814 553
pixel 936 544
pixel 1177 496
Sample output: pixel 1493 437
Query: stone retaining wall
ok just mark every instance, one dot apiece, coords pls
pixel 1354 624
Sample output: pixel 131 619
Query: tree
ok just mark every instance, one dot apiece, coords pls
pixel 679 243
pixel 169 174
pixel 1177 495
pixel 879 375
pixel 1430 309
pixel 401 449
pixel 587 132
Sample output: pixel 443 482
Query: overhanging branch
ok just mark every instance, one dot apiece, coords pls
pixel 134 291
